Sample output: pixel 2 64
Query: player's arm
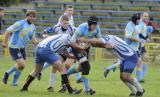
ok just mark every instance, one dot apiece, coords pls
pixel 98 42
pixel 67 54
pixel 74 43
pixel 129 34
pixel 47 31
pixel 15 27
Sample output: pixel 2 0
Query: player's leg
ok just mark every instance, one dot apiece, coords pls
pixel 52 79
pixel 127 83
pixel 144 65
pixel 39 61
pixel 111 67
pixel 68 64
pixel 129 65
pixel 31 76
pixel 61 68
pixel 18 67
pixel 139 67
pixel 46 65
pixel 85 68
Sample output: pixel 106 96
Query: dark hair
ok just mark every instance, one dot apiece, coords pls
pixel 135 17
pixel 92 20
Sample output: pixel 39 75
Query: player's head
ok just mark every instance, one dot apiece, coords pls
pixel 135 18
pixel 64 21
pixel 69 10
pixel 145 16
pixel 31 16
pixel 92 23
pixel 1 12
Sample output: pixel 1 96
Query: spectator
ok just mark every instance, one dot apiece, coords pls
pixel 1 16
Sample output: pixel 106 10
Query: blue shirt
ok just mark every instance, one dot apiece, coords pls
pixel 150 29
pixel 82 31
pixel 131 31
pixel 22 33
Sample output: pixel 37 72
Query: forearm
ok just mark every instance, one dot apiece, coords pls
pixel 7 35
pixel 134 39
pixel 96 42
pixel 76 46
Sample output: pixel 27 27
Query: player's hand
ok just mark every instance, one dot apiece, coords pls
pixel 84 45
pixel 82 39
pixel 45 35
pixel 4 44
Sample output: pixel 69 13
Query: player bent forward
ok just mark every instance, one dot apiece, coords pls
pixel 128 58
pixel 45 52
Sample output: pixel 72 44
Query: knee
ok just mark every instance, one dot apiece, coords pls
pixel 85 68
pixel 21 66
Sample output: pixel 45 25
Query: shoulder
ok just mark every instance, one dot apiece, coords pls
pixel 82 26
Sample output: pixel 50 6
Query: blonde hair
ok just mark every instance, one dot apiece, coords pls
pixel 65 17
pixel 29 12
pixel 68 6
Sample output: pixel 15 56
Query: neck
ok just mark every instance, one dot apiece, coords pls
pixel 29 22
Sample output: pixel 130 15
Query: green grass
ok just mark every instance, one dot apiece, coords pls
pixel 109 87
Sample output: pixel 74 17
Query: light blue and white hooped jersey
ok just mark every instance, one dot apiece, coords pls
pixel 57 43
pixel 121 49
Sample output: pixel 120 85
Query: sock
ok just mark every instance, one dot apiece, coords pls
pixel 12 69
pixel 65 81
pixel 73 69
pixel 132 88
pixel 86 82
pixel 139 74
pixel 144 69
pixel 78 76
pixel 45 66
pixel 52 79
pixel 16 77
pixel 137 85
pixel 112 67
pixel 28 81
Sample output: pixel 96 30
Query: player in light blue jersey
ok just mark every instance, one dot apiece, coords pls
pixel 22 31
pixel 126 54
pixel 143 35
pixel 131 38
pixel 47 51
pixel 89 29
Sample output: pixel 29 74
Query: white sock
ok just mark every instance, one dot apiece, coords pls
pixel 137 85
pixel 132 88
pixel 52 79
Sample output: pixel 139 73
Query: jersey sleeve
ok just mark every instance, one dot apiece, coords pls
pixel 98 32
pixel 49 30
pixel 15 27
